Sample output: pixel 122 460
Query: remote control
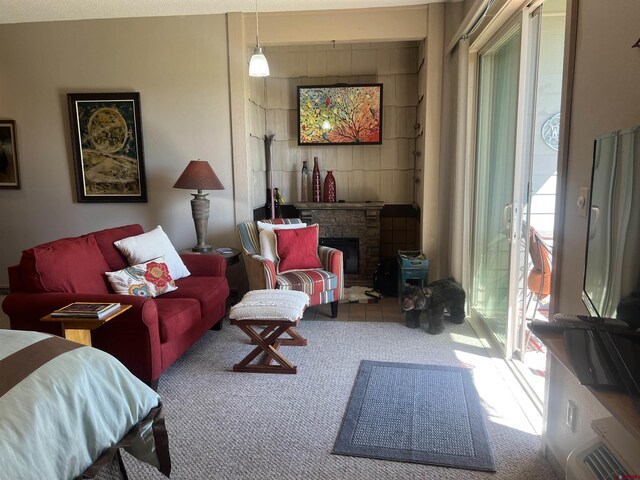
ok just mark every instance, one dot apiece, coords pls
pixel 565 317
pixel 543 326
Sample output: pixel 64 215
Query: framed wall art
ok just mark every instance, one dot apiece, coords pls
pixel 9 176
pixel 340 114
pixel 106 135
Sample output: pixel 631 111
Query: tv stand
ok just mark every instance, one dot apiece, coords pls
pixel 619 404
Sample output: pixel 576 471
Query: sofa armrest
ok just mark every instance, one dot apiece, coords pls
pixel 37 305
pixel 261 271
pixel 15 279
pixel 133 337
pixel 331 260
pixel 201 265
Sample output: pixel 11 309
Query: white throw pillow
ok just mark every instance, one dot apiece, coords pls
pixel 150 245
pixel 268 238
pixel 149 279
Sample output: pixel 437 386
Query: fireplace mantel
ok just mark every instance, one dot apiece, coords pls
pixel 348 220
pixel 339 205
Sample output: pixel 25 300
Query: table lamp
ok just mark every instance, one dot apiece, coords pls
pixel 199 176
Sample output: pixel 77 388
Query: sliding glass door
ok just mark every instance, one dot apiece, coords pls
pixel 494 181
pixel 517 102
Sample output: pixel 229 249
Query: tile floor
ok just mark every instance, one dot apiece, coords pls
pixel 386 310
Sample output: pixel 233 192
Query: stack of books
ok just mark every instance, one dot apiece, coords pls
pixel 86 310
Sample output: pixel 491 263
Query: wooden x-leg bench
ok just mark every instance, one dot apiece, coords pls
pixel 266 315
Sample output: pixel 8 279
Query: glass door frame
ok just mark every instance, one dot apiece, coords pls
pixel 518 236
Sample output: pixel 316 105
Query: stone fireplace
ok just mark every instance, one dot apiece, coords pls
pixel 349 220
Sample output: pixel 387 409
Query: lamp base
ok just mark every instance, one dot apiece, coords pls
pixel 202 248
pixel 200 213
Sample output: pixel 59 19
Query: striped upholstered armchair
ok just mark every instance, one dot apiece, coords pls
pixel 324 285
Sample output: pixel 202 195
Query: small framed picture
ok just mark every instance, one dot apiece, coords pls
pixel 9 175
pixel 106 134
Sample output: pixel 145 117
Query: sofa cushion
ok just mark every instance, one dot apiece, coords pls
pixel 310 282
pixel 69 265
pixel 176 316
pixel 150 245
pixel 149 279
pixel 106 238
pixel 209 291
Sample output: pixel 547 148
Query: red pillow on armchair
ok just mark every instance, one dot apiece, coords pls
pixel 297 249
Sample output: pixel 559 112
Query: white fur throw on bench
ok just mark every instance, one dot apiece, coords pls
pixel 270 305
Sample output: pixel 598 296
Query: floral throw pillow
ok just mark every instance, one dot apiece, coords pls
pixel 148 279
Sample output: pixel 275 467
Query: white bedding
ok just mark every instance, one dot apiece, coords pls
pixel 56 422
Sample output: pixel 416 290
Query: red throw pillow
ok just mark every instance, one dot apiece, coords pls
pixel 297 249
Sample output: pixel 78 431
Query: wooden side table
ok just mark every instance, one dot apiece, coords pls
pixel 232 258
pixel 78 329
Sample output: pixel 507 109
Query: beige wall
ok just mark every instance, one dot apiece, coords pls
pixel 375 172
pixel 194 105
pixel 179 66
pixel 291 32
pixel 605 98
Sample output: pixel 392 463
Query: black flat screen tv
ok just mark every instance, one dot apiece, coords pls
pixel 611 285
pixel 605 352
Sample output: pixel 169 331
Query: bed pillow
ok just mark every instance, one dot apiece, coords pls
pixel 150 245
pixel 268 239
pixel 149 279
pixel 297 249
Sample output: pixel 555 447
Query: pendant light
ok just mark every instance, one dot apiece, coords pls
pixel 258 66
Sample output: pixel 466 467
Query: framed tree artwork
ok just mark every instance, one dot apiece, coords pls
pixel 340 114
pixel 106 135
pixel 9 176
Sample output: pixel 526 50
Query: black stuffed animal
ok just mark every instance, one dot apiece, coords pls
pixel 413 302
pixel 434 300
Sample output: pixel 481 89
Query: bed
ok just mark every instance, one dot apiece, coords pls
pixel 66 410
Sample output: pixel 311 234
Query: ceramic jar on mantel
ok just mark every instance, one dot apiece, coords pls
pixel 304 184
pixel 315 182
pixel 329 187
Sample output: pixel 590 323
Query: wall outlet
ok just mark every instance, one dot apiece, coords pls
pixel 571 415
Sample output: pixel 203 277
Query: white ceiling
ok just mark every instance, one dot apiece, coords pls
pixel 21 11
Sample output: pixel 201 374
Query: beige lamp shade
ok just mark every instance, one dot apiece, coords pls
pixel 199 176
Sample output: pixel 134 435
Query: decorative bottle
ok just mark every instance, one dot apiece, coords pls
pixel 268 206
pixel 329 187
pixel 316 181
pixel 277 203
pixel 304 186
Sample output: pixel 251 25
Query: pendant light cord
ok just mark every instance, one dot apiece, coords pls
pixel 257 26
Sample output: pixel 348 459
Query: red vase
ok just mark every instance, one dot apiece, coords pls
pixel 315 180
pixel 329 187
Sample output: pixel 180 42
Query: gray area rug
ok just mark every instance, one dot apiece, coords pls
pixel 416 413
pixel 226 425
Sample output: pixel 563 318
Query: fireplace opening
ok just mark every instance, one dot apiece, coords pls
pixel 350 250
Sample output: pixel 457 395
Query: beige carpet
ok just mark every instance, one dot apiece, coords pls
pixel 226 425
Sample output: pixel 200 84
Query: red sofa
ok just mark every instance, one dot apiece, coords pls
pixel 147 338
